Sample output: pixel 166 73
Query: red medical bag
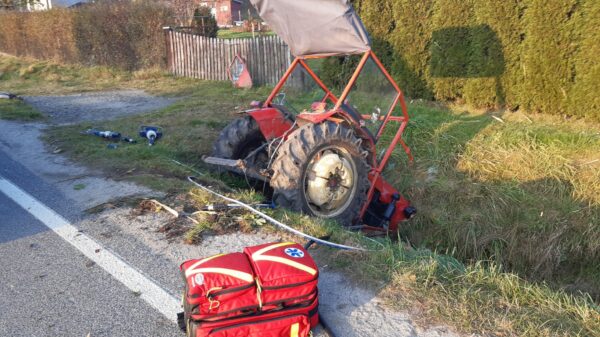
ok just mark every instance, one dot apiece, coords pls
pixel 285 274
pixel 269 290
pixel 220 286
pixel 291 322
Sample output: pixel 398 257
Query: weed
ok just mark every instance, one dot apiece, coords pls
pixel 78 187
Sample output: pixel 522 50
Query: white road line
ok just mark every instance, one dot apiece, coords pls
pixel 151 292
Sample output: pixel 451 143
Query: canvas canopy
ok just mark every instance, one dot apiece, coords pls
pixel 316 27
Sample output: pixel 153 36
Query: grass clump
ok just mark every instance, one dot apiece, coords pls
pixel 18 110
pixel 521 191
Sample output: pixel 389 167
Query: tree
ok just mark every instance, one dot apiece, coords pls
pixel 204 22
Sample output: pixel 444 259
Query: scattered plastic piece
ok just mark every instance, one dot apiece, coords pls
pixel 104 134
pixel 152 133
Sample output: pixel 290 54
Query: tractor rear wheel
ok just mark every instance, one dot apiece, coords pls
pixel 322 170
pixel 238 139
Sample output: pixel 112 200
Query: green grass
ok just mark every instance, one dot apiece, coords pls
pixel 513 206
pixel 17 110
pixel 78 187
pixel 523 193
pixel 233 34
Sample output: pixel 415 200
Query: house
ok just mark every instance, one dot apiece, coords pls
pixel 227 12
pixel 70 3
pixel 25 5
pixel 39 5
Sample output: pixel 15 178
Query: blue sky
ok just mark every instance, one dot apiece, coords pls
pixel 64 3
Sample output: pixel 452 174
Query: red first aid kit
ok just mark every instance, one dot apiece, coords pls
pixel 269 290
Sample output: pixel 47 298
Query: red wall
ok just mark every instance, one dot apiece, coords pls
pixel 228 16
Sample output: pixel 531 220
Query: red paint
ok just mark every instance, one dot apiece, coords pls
pixel 316 118
pixel 387 192
pixel 271 121
pixel 225 11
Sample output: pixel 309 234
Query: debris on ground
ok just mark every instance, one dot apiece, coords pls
pixel 193 218
pixel 152 133
pixel 107 134
pixel 8 95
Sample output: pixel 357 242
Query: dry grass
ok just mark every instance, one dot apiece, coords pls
pixel 123 34
pixel 33 77
pixel 521 191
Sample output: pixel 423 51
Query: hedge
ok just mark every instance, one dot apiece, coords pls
pixel 538 55
pixel 535 54
pixel 122 34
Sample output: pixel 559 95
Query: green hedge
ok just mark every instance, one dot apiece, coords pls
pixel 124 34
pixel 539 55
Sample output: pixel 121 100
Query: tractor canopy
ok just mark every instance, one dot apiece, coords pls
pixel 316 27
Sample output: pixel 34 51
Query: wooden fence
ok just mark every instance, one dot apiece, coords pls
pixel 205 58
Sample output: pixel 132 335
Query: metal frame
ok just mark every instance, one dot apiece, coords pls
pixel 375 174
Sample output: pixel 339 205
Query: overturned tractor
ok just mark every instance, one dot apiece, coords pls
pixel 320 151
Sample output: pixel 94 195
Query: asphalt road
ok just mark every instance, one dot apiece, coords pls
pixel 50 288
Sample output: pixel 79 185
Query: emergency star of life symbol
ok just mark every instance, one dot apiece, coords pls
pixel 294 252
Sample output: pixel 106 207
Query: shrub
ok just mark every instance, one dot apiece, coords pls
pixel 123 34
pixel 548 54
pixel 205 23
pixel 535 54
pixel 584 99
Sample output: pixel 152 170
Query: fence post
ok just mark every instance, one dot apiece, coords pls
pixel 169 48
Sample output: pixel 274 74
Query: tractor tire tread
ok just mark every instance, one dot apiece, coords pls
pixel 234 136
pixel 292 158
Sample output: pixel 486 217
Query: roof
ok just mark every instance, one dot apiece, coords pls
pixel 67 3
pixel 316 27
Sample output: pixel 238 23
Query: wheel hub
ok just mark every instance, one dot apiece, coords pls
pixel 330 181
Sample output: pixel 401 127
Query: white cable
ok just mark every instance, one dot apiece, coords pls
pixel 279 224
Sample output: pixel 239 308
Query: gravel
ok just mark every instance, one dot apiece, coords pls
pixel 76 108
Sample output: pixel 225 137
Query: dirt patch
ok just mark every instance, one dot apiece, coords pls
pixel 97 106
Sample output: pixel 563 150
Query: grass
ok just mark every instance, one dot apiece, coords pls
pixel 17 110
pixel 523 192
pixel 512 204
pixel 32 77
pixel 233 34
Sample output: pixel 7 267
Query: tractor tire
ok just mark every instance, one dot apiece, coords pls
pixel 238 139
pixel 322 170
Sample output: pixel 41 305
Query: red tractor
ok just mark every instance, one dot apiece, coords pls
pixel 318 150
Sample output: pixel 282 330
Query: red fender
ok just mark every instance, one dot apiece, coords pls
pixel 272 122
